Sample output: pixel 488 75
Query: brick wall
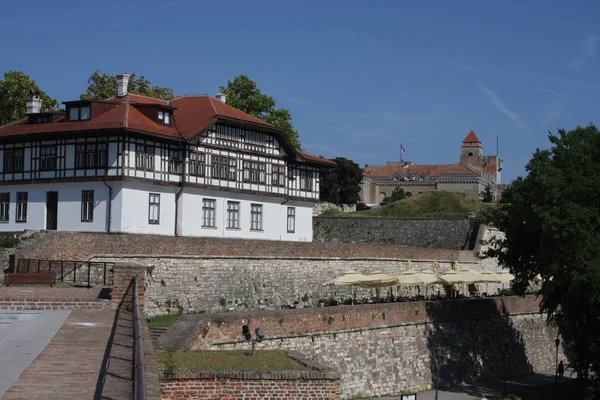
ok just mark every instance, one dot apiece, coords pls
pixel 80 246
pixel 433 233
pixel 318 383
pixel 122 276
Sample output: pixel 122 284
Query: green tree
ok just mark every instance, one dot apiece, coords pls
pixel 340 185
pixel 487 196
pixel 102 86
pixel 243 94
pixel 551 223
pixel 397 194
pixel 14 93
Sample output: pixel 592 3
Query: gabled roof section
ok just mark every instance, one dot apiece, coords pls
pixel 192 115
pixel 472 138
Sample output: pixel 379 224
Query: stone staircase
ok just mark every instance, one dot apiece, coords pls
pixel 155 333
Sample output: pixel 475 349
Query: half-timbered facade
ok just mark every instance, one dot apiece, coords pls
pixel 192 166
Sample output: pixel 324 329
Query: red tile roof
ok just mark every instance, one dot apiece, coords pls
pixel 472 138
pixel 191 116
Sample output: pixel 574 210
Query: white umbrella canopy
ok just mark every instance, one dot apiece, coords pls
pixel 350 277
pixel 469 275
pixel 489 277
pixel 376 279
pixel 451 277
pixel 410 278
pixel 428 277
pixel 505 276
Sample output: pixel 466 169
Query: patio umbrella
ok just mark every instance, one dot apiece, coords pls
pixel 429 278
pixel 376 280
pixel 451 278
pixel 505 276
pixel 350 277
pixel 409 278
pixel 488 277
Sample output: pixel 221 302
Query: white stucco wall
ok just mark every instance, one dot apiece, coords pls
pixel 69 207
pixel 274 216
pixel 133 200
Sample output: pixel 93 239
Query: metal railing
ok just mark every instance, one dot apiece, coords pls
pixel 88 273
pixel 139 370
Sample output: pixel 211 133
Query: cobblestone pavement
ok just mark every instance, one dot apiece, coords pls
pixel 68 368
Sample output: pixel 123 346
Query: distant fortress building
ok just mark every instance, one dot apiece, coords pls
pixel 470 175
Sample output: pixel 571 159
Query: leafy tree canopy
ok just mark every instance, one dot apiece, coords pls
pixel 397 194
pixel 102 86
pixel 243 94
pixel 487 196
pixel 14 93
pixel 340 185
pixel 551 222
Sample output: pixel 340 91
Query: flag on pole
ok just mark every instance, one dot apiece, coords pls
pixel 402 149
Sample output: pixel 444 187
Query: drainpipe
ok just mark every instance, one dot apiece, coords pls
pixel 178 194
pixel 109 205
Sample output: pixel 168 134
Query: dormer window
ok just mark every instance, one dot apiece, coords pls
pixel 79 113
pixel 164 117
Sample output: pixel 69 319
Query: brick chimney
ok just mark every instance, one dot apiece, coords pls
pixel 221 97
pixel 122 82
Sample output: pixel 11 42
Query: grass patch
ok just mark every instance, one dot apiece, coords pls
pixel 238 360
pixel 428 205
pixel 163 321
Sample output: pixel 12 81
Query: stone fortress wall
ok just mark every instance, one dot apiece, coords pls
pixel 384 349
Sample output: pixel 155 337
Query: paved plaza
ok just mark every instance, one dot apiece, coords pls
pixel 24 334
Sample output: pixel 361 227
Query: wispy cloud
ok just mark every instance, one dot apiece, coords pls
pixel 588 49
pixel 556 108
pixel 465 67
pixel 496 102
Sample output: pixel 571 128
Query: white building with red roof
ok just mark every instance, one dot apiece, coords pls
pixel 192 166
pixel 472 174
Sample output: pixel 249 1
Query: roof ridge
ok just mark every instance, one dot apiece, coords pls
pixel 126 121
pixel 191 95
pixel 13 122
pixel 213 106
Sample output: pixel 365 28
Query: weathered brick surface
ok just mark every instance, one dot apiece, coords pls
pixel 34 298
pixel 439 233
pixel 80 246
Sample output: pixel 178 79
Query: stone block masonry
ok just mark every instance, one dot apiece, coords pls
pixel 456 234
pixel 385 349
pixel 204 283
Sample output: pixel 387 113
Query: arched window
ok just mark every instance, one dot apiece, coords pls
pixel 408 194
pixel 381 196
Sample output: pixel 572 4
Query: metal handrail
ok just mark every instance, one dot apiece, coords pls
pixel 139 370
pixel 26 265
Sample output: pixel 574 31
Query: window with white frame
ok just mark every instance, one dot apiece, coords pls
pixel 144 157
pixel 278 175
pixel 90 155
pixel 4 207
pixel 14 160
pixel 306 180
pixel 174 161
pixel 21 207
pixel 255 172
pixel 233 214
pixel 208 213
pixel 154 209
pixel 197 164
pixel 291 219
pixel 87 206
pixel 48 158
pixel 256 217
pixel 224 168
pixel 164 117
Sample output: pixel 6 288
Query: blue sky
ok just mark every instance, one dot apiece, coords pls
pixel 360 77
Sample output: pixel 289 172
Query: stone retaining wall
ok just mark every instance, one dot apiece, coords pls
pixel 317 384
pixel 456 234
pixel 34 303
pixel 212 284
pixel 384 349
